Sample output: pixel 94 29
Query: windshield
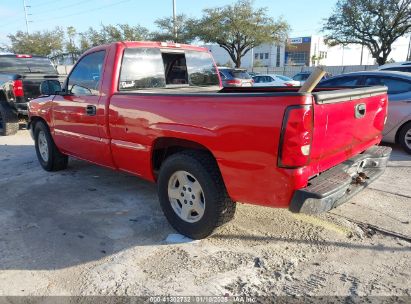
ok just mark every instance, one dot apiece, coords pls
pixel 11 63
pixel 301 77
pixel 237 74
pixel 285 78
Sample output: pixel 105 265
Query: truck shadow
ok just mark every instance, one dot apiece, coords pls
pixel 398 154
pixel 62 219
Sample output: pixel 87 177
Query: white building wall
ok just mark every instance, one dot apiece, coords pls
pixel 335 56
pixel 221 56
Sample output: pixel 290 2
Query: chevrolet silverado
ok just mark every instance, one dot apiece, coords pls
pixel 157 110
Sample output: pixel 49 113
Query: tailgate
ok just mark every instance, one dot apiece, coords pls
pixel 31 84
pixel 346 122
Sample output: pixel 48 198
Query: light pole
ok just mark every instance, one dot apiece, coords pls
pixel 174 19
pixel 25 15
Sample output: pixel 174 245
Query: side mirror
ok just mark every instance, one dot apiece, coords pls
pixel 50 87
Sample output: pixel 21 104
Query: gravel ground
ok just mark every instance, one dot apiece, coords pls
pixel 93 231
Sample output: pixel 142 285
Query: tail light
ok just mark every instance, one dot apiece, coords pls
pixel 18 88
pixel 235 82
pixel 23 56
pixel 296 137
pixel 289 84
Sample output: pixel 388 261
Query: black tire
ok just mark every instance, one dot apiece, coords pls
pixel 55 160
pixel 402 137
pixel 9 120
pixel 219 208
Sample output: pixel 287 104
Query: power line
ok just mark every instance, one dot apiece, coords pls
pixel 89 11
pixel 60 8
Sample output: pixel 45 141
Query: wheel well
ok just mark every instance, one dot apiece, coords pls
pixel 397 135
pixel 34 120
pixel 167 146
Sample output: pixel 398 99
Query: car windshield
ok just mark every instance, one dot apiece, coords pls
pixel 300 77
pixel 285 78
pixel 12 63
pixel 239 74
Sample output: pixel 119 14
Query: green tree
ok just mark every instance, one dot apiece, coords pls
pixel 70 44
pixel 375 24
pixel 239 27
pixel 45 43
pixel 112 33
pixel 184 27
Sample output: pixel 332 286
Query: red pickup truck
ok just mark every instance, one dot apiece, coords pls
pixel 157 110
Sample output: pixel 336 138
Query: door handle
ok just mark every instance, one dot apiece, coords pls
pixel 360 110
pixel 91 110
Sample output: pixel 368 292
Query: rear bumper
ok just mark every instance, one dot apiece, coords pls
pixel 338 184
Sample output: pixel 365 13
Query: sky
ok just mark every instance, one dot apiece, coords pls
pixel 305 17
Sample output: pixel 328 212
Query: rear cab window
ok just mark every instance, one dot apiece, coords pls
pixel 26 64
pixel 149 68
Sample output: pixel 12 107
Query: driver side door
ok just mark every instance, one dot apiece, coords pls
pixel 75 113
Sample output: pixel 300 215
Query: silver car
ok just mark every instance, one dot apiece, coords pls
pixel 398 126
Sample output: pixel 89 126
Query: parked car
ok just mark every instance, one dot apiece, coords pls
pixel 231 77
pixel 273 80
pixel 20 78
pixel 303 76
pixel 397 66
pixel 398 127
pixel 156 110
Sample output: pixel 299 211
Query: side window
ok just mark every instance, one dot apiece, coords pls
pixel 395 85
pixel 175 66
pixel 142 68
pixel 341 81
pixel 222 75
pixel 86 75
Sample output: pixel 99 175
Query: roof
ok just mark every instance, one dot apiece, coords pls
pixel 15 56
pixel 395 64
pixel 377 72
pixel 150 44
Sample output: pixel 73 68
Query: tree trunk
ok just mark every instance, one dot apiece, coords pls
pixel 238 61
pixel 381 60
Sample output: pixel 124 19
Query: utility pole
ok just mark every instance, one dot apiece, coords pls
pixel 409 50
pixel 174 19
pixel 26 15
pixel 362 49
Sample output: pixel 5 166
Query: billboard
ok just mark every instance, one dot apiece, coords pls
pixel 299 40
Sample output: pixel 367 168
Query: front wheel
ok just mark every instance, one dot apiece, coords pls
pixel 50 158
pixel 192 194
pixel 405 137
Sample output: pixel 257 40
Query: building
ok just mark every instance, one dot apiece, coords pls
pixel 270 55
pixel 308 51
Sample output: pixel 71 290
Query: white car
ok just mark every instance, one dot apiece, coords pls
pixel 273 80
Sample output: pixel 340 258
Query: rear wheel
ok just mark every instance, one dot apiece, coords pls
pixel 405 137
pixel 50 158
pixel 9 121
pixel 192 194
